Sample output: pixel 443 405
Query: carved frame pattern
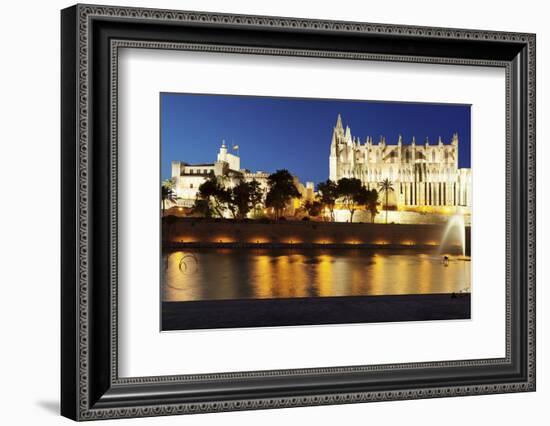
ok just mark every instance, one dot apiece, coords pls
pixel 85 409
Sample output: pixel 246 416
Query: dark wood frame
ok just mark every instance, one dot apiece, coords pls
pixel 90 386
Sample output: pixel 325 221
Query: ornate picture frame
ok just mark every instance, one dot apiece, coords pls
pixel 90 39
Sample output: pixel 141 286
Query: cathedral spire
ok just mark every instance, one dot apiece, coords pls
pixel 454 140
pixel 339 122
pixel 348 135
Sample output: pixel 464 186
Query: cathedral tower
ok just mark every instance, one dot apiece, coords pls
pixel 424 174
pixel 338 138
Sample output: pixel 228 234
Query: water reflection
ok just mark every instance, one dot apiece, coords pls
pixel 206 274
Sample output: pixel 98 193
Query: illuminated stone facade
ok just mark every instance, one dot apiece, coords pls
pixel 187 178
pixel 421 174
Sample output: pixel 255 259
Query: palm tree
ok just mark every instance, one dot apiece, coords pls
pixel 386 186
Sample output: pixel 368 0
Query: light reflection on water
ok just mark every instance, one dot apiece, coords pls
pixel 206 274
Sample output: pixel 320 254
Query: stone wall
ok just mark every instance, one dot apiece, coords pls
pixel 397 217
pixel 208 232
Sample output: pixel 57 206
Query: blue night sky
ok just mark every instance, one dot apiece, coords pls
pixel 295 133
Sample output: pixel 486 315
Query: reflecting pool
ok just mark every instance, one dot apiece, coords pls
pixel 232 273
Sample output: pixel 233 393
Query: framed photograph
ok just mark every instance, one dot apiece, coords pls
pixel 263 212
pixel 316 233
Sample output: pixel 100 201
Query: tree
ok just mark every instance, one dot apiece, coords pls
pixel 281 191
pixel 328 191
pixel 167 194
pixel 371 203
pixel 217 197
pixel 313 208
pixel 240 198
pixel 224 200
pixel 245 196
pixel 202 207
pixel 386 186
pixel 256 194
pixel 368 199
pixel 351 192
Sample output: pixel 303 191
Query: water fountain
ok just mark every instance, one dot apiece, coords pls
pixel 456 224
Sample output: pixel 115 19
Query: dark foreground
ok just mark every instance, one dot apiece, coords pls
pixel 310 311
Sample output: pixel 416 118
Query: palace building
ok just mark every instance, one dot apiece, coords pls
pixel 187 178
pixel 422 174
